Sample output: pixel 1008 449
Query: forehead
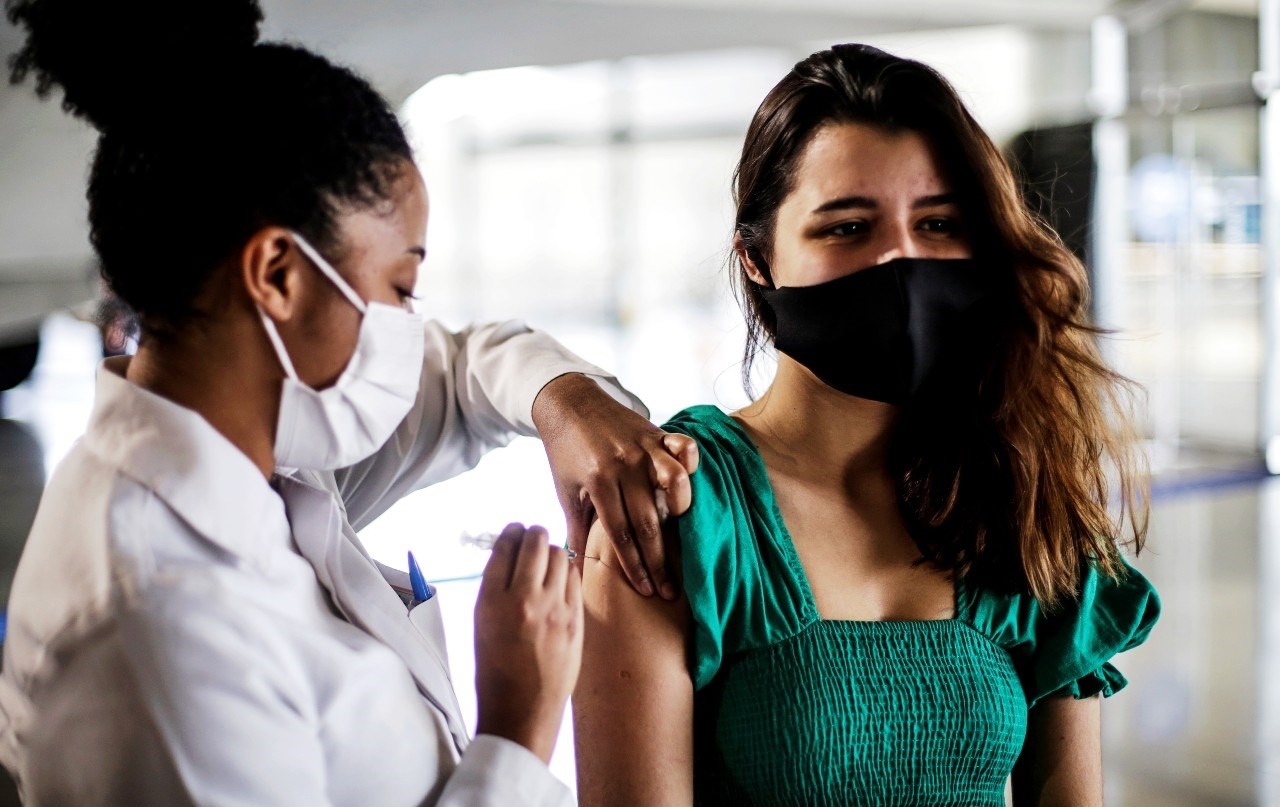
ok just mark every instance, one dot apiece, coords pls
pixel 411 204
pixel 377 238
pixel 403 213
pixel 854 159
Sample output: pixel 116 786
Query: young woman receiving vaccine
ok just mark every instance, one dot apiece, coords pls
pixel 194 619
pixel 901 573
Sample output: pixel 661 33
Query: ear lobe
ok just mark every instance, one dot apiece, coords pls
pixel 268 265
pixel 744 255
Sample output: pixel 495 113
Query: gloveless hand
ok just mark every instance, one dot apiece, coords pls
pixel 608 462
pixel 528 639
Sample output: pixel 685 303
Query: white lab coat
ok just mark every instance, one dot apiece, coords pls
pixel 182 631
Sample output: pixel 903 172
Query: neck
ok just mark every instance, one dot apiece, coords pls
pixel 819 433
pixel 225 374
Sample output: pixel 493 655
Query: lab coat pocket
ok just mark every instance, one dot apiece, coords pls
pixel 426 618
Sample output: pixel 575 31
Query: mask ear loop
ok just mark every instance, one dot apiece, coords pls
pixel 328 271
pixel 276 342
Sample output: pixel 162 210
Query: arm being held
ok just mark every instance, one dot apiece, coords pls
pixel 483 386
pixel 609 464
pixel 633 706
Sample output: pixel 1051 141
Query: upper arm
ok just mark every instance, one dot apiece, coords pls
pixel 460 413
pixel 1061 762
pixel 476 393
pixel 633 706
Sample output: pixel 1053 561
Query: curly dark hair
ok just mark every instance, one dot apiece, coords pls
pixel 1010 481
pixel 207 135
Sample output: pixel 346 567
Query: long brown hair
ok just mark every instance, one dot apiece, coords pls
pixel 1032 474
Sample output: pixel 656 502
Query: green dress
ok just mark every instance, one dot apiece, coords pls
pixel 790 708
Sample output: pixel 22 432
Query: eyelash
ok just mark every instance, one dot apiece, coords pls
pixel 406 295
pixel 950 226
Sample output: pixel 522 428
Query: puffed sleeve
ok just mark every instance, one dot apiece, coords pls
pixel 476 393
pixel 742 591
pixel 1069 651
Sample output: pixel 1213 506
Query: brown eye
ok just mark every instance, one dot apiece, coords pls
pixel 847 228
pixel 940 225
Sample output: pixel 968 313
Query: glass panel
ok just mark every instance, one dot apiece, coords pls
pixel 1193 321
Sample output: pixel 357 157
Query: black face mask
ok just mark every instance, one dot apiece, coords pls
pixel 889 331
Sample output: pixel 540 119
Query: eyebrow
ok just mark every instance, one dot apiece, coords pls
pixel 867 203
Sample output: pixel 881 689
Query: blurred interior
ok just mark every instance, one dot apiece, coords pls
pixel 578 155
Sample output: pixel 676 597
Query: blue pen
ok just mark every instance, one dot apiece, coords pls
pixel 421 591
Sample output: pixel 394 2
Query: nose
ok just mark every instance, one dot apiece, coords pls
pixel 898 242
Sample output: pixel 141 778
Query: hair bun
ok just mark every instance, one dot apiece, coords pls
pixel 117 61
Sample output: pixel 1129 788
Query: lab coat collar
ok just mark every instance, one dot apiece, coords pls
pixel 197 472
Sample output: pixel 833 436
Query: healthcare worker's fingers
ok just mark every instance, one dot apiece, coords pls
pixel 505 551
pixel 531 562
pixel 671 467
pixel 528 640
pixel 557 571
pixel 497 572
pixel 642 510
pixel 599 450
pixel 611 509
pixel 684 448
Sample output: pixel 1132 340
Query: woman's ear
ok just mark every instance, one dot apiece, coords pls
pixel 271 266
pixel 748 263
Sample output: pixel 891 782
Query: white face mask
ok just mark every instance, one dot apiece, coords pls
pixel 349 421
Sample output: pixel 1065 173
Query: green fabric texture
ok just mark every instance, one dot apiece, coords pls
pixel 794 709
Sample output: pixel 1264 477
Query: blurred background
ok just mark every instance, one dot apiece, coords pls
pixel 578 155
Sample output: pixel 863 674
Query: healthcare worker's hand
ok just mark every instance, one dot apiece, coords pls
pixel 528 639
pixel 608 462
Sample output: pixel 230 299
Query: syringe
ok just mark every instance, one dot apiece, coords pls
pixel 486 540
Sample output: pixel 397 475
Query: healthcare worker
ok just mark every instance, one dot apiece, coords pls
pixel 194 619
